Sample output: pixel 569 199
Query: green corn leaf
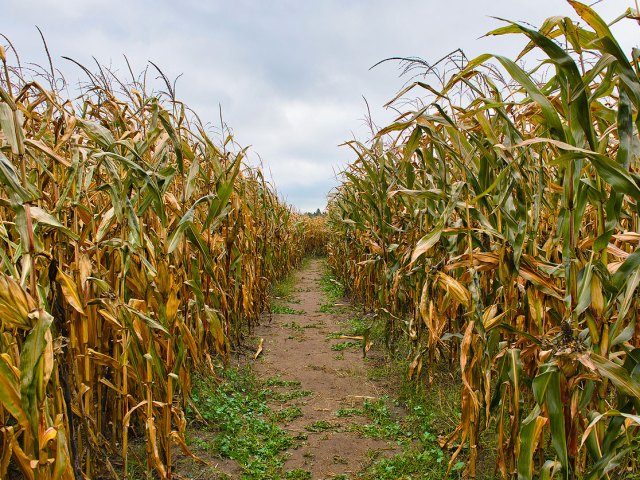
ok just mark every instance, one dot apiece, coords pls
pixel 546 388
pixel 584 289
pixel 10 181
pixel 527 438
pixel 617 374
pixel 548 111
pixel 185 222
pixel 31 365
pixel 96 132
pixel 10 391
pixel 175 139
pixel 41 216
pixel 548 470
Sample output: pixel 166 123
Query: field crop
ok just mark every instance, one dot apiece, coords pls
pixel 494 227
pixel 134 250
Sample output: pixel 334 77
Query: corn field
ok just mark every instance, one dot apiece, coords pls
pixel 494 226
pixel 134 250
pixel 316 235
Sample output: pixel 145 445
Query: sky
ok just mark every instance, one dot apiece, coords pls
pixel 290 76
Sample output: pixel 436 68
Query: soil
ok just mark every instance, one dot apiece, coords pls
pixel 337 380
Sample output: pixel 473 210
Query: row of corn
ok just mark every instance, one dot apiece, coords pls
pixel 316 235
pixel 494 227
pixel 134 250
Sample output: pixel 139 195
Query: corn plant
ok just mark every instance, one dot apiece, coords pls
pixel 134 249
pixel 495 225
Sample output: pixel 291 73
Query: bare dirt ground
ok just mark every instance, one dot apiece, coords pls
pixel 298 348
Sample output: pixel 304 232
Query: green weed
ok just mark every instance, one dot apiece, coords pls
pixel 321 426
pixel 348 412
pixel 298 474
pixel 293 326
pixel 246 431
pixel 273 386
pixel 283 288
pixel 288 414
pixel 285 309
pixel 339 347
pixel 333 291
pixel 408 465
pixel 279 382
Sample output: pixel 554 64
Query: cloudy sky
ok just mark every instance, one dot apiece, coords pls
pixel 290 75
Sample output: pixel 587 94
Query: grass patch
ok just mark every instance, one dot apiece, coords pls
pixel 283 288
pixel 246 431
pixel 298 474
pixel 279 309
pixel 333 291
pixel 339 347
pixel 359 327
pixel 334 335
pixel 314 325
pixel 274 385
pixel 136 470
pixel 412 463
pixel 279 382
pixel 382 425
pixel 321 426
pixel 421 455
pixel 282 293
pixel 377 373
pixel 428 412
pixel 293 326
pixel 348 412
pixel 287 414
pixel 284 397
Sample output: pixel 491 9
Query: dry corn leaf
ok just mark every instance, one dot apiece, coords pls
pixel 259 350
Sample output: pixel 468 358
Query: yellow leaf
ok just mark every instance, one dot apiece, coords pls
pixel 164 279
pixel 155 455
pixel 10 391
pixel 70 291
pixel 85 269
pixel 217 330
pixel 47 355
pixel 15 304
pixel 23 460
pixel 172 306
pixel 49 435
pixel 179 439
pixel 455 289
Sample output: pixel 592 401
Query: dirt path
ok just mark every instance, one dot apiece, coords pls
pixel 306 347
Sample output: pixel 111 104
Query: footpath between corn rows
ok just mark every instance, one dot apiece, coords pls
pixel 312 347
pixel 308 406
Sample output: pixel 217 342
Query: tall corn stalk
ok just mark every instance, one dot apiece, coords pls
pixel 499 218
pixel 134 250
